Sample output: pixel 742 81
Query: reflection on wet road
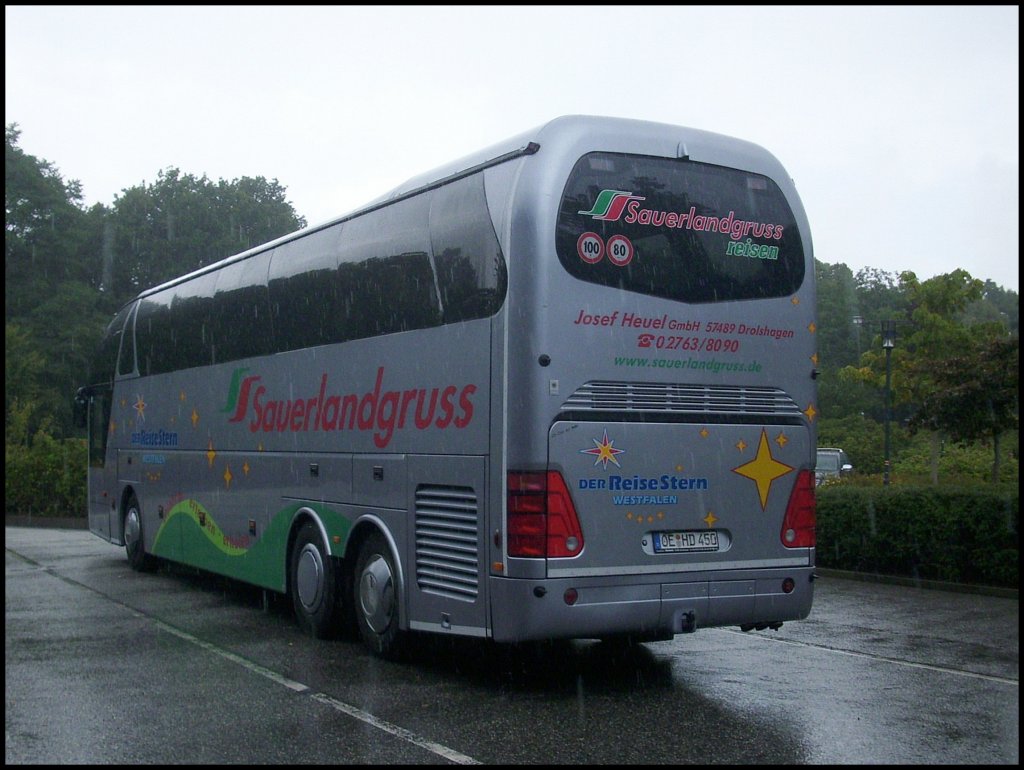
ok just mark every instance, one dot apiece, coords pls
pixel 104 665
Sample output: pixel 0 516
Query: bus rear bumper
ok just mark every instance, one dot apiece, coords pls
pixel 652 610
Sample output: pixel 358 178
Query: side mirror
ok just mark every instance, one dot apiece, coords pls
pixel 80 408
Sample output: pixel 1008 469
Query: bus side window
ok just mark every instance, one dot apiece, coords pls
pixel 471 272
pixel 385 282
pixel 192 310
pixel 126 361
pixel 154 334
pixel 241 310
pixel 303 300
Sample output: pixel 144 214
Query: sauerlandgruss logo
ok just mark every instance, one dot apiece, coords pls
pixel 615 205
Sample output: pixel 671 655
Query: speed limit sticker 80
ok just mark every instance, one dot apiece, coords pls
pixel 591 249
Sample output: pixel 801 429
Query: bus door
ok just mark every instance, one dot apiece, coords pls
pixel 102 476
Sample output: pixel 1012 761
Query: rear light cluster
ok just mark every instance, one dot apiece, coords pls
pixel 801 517
pixel 542 519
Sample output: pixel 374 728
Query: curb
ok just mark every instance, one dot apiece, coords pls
pixel 51 522
pixel 932 585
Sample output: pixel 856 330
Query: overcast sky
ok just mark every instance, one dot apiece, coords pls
pixel 900 126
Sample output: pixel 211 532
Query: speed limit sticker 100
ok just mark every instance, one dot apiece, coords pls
pixel 591 249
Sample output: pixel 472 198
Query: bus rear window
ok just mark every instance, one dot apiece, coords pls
pixel 677 229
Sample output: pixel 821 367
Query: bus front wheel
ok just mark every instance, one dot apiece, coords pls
pixel 376 598
pixel 314 583
pixel 134 544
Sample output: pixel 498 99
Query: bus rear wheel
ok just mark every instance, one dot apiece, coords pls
pixel 314 584
pixel 376 598
pixel 134 543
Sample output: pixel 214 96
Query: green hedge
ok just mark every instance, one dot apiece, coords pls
pixel 931 533
pixel 46 478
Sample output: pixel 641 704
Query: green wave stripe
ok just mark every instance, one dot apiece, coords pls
pixel 204 521
pixel 182 538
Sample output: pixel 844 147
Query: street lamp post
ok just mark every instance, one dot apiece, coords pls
pixel 888 343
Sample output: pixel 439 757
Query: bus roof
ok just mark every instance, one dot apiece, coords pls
pixel 566 137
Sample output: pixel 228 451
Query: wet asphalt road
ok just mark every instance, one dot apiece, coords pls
pixel 104 665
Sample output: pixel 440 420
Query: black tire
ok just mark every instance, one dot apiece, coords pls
pixel 375 599
pixel 134 541
pixel 313 584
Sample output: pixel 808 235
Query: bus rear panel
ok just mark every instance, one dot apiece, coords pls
pixel 661 386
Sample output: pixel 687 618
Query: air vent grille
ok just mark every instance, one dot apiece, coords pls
pixel 447 550
pixel 668 398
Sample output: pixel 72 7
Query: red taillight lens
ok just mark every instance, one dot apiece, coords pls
pixel 801 518
pixel 542 519
pixel 527 519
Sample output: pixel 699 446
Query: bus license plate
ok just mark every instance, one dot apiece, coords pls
pixel 684 542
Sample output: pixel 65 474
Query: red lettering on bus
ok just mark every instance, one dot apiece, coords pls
pixel 378 410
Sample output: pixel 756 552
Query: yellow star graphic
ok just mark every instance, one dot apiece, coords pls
pixel 140 408
pixel 763 469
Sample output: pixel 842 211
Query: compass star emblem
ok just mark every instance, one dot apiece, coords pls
pixel 604 451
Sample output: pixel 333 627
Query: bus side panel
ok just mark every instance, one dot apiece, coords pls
pixel 224 464
pixel 446 544
pixel 235 515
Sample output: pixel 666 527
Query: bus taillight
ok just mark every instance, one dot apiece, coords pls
pixel 542 519
pixel 801 517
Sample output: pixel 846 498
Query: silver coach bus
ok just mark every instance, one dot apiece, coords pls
pixel 563 388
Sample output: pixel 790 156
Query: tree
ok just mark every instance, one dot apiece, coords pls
pixel 24 372
pixel 182 222
pixel 997 305
pixel 976 394
pixel 841 341
pixel 43 231
pixel 66 327
pixel 68 269
pixel 837 332
pixel 927 330
pixel 50 309
pixel 880 295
